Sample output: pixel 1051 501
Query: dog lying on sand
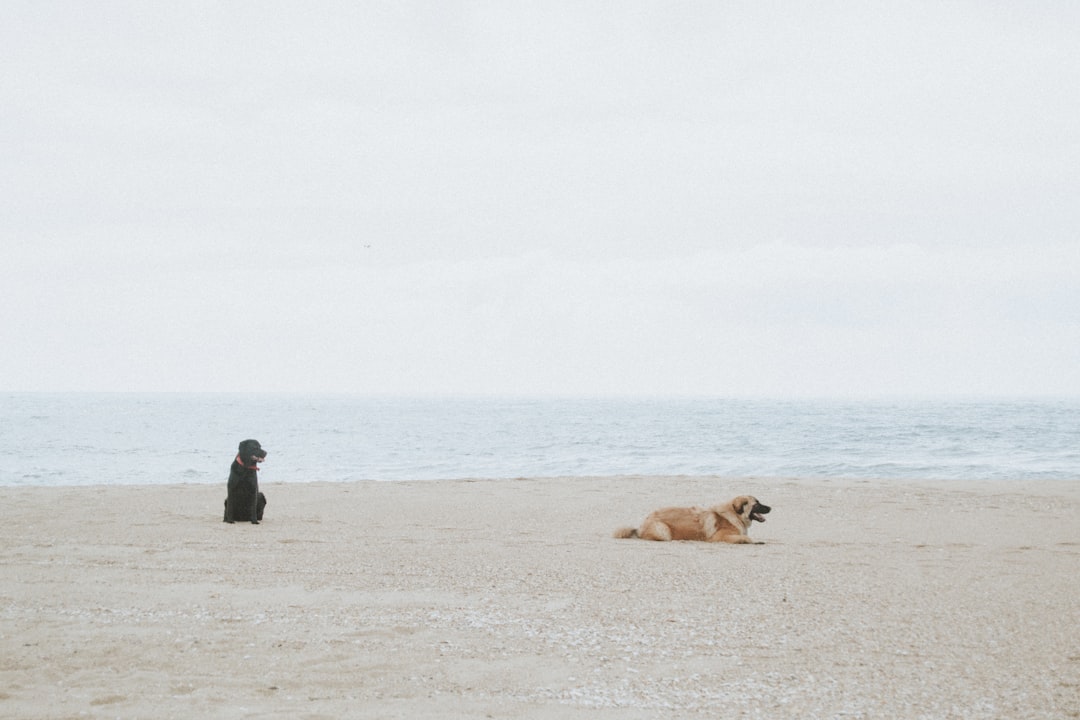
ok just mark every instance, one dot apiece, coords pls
pixel 728 522
pixel 244 501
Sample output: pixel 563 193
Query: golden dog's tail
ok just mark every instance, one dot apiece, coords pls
pixel 625 532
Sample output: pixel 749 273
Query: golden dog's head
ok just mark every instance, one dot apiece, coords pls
pixel 749 509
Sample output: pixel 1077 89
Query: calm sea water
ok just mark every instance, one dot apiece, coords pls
pixel 83 439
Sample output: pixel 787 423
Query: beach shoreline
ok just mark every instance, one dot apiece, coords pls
pixel 509 598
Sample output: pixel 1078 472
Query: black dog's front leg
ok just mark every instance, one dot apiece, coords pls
pixel 254 502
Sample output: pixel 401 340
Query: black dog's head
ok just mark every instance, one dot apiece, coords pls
pixel 251 452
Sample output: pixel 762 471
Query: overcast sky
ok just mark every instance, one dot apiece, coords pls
pixel 714 198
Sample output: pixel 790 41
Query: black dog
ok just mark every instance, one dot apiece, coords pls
pixel 245 502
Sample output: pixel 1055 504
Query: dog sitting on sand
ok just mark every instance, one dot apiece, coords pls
pixel 244 501
pixel 727 522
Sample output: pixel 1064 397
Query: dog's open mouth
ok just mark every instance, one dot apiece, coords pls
pixel 759 511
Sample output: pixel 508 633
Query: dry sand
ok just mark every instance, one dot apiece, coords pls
pixel 508 599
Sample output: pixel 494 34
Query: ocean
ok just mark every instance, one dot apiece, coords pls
pixel 95 439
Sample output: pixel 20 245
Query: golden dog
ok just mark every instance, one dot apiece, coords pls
pixel 727 522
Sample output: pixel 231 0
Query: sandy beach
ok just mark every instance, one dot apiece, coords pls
pixel 510 599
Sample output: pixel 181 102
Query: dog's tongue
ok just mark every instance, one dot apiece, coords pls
pixel 757 516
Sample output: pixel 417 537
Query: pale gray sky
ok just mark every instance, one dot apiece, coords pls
pixel 755 198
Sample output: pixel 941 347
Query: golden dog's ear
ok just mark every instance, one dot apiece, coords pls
pixel 740 505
